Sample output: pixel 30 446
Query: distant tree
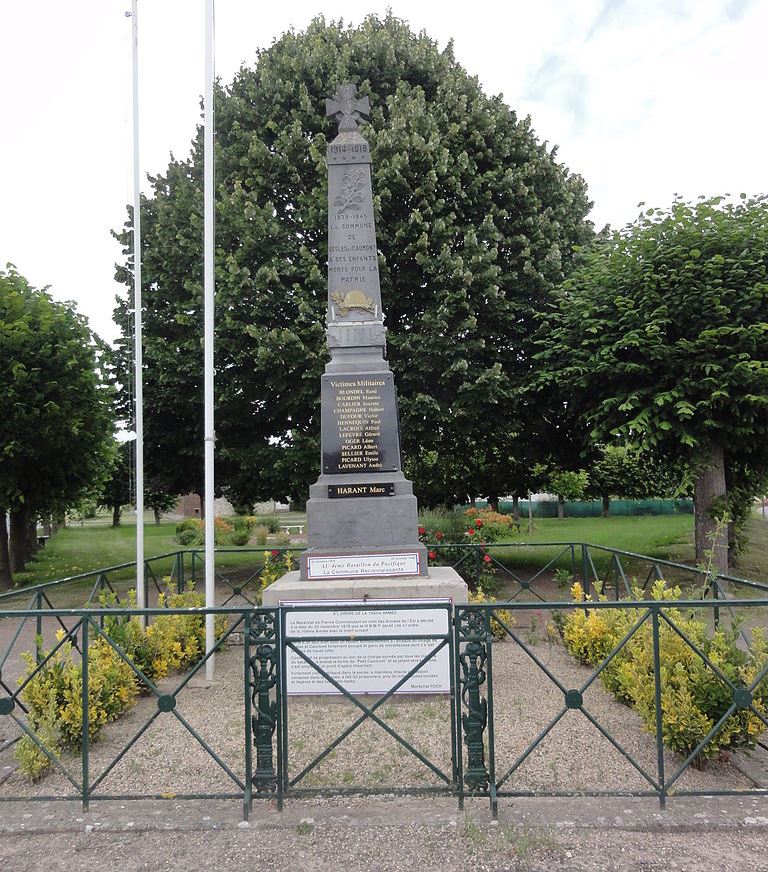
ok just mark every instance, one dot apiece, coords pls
pixel 116 491
pixel 160 501
pixel 55 413
pixel 660 338
pixel 476 222
pixel 625 472
pixel 567 485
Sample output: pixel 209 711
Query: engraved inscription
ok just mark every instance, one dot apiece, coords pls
pixel 359 424
pixel 336 491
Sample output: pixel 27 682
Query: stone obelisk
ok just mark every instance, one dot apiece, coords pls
pixel 361 516
pixel 362 519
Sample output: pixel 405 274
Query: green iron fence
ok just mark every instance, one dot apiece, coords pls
pixel 474 761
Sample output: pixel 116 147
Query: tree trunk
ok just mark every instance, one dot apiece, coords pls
pixel 157 515
pixel 493 502
pixel 18 538
pixel 6 578
pixel 606 505
pixel 516 509
pixel 711 535
pixel 560 508
pixel 116 512
pixel 33 546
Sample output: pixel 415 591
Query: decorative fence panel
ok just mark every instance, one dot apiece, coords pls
pixel 512 689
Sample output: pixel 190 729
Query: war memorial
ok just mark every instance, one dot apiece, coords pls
pixel 362 516
pixel 362 520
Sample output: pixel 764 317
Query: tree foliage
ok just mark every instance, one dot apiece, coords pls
pixel 661 338
pixel 476 222
pixel 625 472
pixel 55 412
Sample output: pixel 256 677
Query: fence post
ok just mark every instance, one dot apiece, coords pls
pixel 657 704
pixel 585 567
pixel 180 573
pixel 39 628
pixel 248 793
pixel 85 740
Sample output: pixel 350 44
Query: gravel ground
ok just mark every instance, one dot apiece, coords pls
pixel 388 836
pixel 166 759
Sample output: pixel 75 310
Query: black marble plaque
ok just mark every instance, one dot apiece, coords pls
pixel 338 491
pixel 359 426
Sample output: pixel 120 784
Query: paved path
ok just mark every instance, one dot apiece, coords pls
pixel 358 835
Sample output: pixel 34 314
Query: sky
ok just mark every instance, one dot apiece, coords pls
pixel 645 99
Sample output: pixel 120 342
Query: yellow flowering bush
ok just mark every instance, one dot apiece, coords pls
pixel 53 697
pixel 479 597
pixel 693 697
pixel 276 564
pixel 53 694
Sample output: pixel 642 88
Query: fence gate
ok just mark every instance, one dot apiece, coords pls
pixel 352 699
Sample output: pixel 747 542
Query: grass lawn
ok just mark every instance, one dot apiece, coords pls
pixel 96 544
pixel 649 535
pixel 643 534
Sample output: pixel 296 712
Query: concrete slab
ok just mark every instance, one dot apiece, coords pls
pixel 443 582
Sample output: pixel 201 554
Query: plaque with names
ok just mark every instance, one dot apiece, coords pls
pixel 359 424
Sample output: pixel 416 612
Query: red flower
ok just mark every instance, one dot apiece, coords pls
pixel 275 553
pixel 478 523
pixel 422 531
pixel 471 531
pixel 439 535
pixel 432 555
pixel 487 558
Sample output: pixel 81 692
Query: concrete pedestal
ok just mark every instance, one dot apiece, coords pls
pixel 443 582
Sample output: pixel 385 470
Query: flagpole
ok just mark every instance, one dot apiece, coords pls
pixel 208 295
pixel 138 355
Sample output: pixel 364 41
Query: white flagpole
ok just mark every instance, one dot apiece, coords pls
pixel 208 253
pixel 138 361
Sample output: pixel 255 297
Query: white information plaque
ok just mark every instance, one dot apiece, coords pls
pixel 368 667
pixel 363 565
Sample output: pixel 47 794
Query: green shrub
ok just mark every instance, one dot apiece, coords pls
pixel 442 526
pixel 497 631
pixel 485 525
pixel 188 524
pixel 56 687
pixel 32 761
pixel 276 564
pixel 53 695
pixel 271 522
pixel 189 537
pixel 282 539
pixel 260 534
pixel 240 537
pixel 693 697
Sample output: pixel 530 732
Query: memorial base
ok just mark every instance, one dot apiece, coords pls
pixel 443 582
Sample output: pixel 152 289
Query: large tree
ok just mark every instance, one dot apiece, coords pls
pixel 625 472
pixel 661 338
pixel 55 412
pixel 476 222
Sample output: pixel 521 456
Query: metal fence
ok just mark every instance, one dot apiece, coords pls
pixel 263 757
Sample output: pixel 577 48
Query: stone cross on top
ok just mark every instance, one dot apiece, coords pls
pixel 347 109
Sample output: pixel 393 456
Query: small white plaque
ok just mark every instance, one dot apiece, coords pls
pixel 363 565
pixel 372 667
